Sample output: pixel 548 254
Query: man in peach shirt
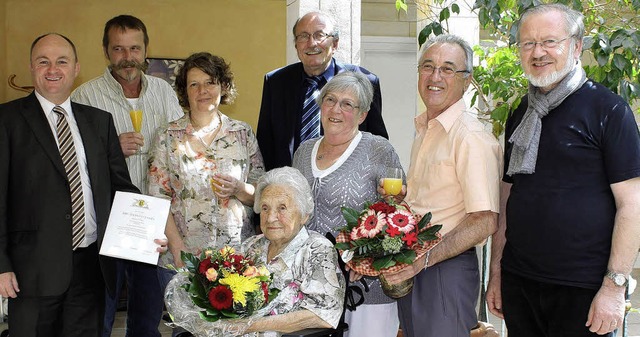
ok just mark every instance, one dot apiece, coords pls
pixel 454 174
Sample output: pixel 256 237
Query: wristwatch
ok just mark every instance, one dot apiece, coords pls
pixel 619 279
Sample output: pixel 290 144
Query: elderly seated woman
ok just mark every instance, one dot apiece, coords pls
pixel 303 262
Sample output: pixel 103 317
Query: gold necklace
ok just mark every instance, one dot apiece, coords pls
pixel 325 153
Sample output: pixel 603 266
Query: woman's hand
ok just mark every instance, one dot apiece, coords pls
pixel 353 275
pixel 226 186
pixel 398 198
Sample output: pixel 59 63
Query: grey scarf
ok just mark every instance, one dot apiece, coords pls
pixel 526 137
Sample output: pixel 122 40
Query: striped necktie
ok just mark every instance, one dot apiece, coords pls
pixel 70 161
pixel 310 126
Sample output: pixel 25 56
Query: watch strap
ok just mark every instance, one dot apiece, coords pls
pixel 613 276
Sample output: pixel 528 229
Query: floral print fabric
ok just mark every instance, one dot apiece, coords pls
pixel 180 168
pixel 307 274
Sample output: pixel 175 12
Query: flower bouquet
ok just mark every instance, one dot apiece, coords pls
pixel 385 237
pixel 218 286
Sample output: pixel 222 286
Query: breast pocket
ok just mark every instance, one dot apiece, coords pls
pixel 441 184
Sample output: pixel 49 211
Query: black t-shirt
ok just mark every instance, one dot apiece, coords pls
pixel 560 219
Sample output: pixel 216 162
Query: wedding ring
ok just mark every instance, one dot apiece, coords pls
pixel 222 185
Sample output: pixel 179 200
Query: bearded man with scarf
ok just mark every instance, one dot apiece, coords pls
pixel 568 232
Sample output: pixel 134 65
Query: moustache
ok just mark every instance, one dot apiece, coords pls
pixel 129 64
pixel 313 50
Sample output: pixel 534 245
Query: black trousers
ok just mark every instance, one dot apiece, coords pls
pixel 78 312
pixel 536 309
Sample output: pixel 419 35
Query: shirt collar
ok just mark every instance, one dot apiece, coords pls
pixel 328 73
pixel 288 254
pixel 446 118
pixel 47 106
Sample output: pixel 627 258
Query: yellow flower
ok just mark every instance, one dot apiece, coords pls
pixel 226 251
pixel 240 286
pixel 208 252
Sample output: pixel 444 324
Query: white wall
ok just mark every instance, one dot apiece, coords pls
pixel 393 59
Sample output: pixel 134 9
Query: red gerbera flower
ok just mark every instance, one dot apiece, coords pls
pixel 371 224
pixel 355 233
pixel 204 266
pixel 403 220
pixel 410 238
pixel 221 297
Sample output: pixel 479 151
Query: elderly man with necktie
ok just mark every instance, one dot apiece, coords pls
pixel 289 114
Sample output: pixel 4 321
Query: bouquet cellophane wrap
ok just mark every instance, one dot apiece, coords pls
pixel 186 314
pixel 364 265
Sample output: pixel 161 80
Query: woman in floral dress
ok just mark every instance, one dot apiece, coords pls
pixel 206 163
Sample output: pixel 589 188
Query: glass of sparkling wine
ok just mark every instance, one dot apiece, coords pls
pixel 392 181
pixel 136 120
pixel 224 166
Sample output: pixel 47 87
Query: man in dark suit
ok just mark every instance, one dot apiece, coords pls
pixel 56 288
pixel 283 93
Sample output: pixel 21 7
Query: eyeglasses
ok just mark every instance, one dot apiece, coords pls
pixel 317 36
pixel 546 44
pixel 345 105
pixel 445 71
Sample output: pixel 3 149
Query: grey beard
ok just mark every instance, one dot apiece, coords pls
pixel 554 77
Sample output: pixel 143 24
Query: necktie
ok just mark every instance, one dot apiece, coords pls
pixel 310 126
pixel 70 161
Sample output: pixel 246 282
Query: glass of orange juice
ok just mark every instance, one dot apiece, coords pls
pixel 392 181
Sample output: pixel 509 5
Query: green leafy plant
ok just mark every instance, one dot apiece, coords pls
pixel 611 49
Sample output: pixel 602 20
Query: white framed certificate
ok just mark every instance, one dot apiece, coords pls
pixel 134 222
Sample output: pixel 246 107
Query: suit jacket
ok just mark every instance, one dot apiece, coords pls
pixel 35 204
pixel 281 112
